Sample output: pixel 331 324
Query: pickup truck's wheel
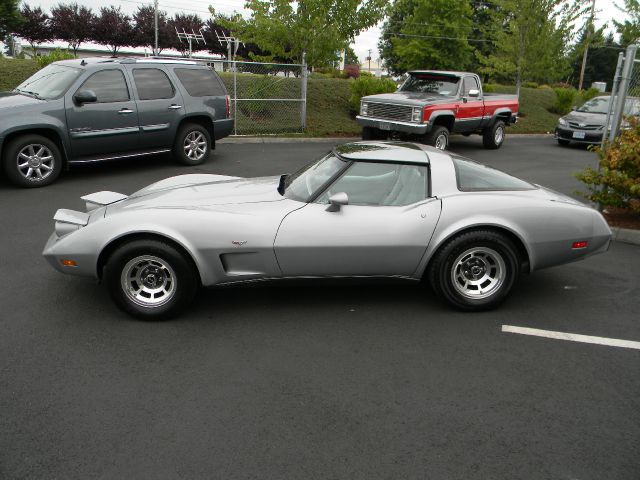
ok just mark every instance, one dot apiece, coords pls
pixel 32 161
pixel 371 133
pixel 475 270
pixel 493 137
pixel 193 144
pixel 438 137
pixel 150 279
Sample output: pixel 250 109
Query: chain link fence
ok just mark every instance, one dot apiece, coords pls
pixel 266 98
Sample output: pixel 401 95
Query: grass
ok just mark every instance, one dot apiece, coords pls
pixel 328 111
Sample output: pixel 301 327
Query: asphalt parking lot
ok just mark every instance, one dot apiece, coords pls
pixel 314 382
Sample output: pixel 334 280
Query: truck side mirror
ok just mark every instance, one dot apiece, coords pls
pixel 336 201
pixel 85 96
pixel 474 92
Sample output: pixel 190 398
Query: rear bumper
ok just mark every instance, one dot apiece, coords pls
pixel 222 128
pixel 563 133
pixel 394 126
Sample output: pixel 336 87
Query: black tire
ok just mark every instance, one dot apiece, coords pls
pixel 193 134
pixel 142 259
pixel 23 151
pixel 495 255
pixel 371 133
pixel 437 136
pixel 562 142
pixel 493 137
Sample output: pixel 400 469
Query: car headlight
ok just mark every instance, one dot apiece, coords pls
pixel 562 121
pixel 364 108
pixel 416 115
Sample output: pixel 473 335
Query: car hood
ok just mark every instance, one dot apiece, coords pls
pixel 408 98
pixel 12 99
pixel 586 118
pixel 189 192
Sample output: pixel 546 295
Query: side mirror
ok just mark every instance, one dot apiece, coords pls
pixel 85 96
pixel 474 93
pixel 336 201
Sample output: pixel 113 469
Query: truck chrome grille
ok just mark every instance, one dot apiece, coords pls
pixel 390 112
pixel 582 126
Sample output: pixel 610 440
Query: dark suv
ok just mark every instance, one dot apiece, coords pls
pixel 79 111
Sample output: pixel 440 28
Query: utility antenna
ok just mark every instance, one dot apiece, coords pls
pixel 190 38
pixel 233 43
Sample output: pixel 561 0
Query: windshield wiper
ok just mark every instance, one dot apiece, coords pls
pixel 30 93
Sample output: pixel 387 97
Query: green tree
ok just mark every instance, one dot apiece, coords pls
pixel 433 34
pixel 601 60
pixel 350 57
pixel 533 44
pixel 9 16
pixel 629 30
pixel 320 28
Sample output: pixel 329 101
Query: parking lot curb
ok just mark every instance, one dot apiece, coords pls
pixel 626 235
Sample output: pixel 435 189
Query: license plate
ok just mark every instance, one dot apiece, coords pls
pixel 384 125
pixel 578 135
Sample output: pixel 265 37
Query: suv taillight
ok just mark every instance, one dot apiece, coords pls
pixel 228 101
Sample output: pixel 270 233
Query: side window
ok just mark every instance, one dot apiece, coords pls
pixel 108 85
pixel 473 177
pixel 152 84
pixel 470 83
pixel 381 184
pixel 200 82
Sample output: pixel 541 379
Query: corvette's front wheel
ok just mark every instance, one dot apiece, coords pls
pixel 475 270
pixel 150 279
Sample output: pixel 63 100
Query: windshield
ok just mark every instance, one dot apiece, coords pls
pixel 601 105
pixel 431 83
pixel 50 82
pixel 305 182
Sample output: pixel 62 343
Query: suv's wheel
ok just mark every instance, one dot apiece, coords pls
pixel 193 144
pixel 150 279
pixel 475 270
pixel 32 161
pixel 493 137
pixel 438 137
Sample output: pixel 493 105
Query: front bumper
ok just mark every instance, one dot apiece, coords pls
pixel 393 125
pixel 567 133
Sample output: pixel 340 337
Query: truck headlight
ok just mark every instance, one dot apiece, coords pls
pixel 562 121
pixel 364 109
pixel 416 115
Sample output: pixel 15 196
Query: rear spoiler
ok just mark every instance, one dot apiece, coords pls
pixel 100 199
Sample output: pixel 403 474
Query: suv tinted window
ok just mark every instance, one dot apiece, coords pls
pixel 108 85
pixel 382 184
pixel 152 84
pixel 472 176
pixel 200 82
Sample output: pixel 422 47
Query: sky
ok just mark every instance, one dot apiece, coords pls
pixel 605 9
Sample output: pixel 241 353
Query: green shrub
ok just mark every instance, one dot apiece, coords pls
pixel 586 95
pixel 14 72
pixel 489 88
pixel 565 99
pixel 55 56
pixel 530 85
pixel 617 183
pixel 363 86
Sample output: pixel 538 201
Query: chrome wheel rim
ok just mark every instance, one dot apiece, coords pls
pixel 35 162
pixel 499 135
pixel 195 145
pixel 441 142
pixel 478 272
pixel 148 281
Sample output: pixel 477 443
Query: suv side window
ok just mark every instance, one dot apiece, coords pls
pixel 108 85
pixel 200 82
pixel 470 83
pixel 152 84
pixel 381 184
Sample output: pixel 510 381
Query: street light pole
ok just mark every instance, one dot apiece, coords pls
pixel 155 24
pixel 586 41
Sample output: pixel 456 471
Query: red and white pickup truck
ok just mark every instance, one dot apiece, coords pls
pixel 431 104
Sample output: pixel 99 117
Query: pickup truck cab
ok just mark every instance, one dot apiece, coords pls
pixel 431 104
pixel 95 109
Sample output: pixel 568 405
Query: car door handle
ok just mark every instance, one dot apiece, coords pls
pixel 125 111
pixel 175 107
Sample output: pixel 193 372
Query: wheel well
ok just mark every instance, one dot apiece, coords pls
pixel 504 116
pixel 523 255
pixel 446 121
pixel 45 132
pixel 202 120
pixel 118 242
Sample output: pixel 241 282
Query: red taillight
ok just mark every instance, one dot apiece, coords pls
pixel 228 100
pixel 579 245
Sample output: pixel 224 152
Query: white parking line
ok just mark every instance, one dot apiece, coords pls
pixel 573 337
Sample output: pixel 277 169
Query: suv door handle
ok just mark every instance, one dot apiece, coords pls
pixel 125 111
pixel 175 107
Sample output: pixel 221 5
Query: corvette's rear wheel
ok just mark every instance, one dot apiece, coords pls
pixel 475 270
pixel 150 279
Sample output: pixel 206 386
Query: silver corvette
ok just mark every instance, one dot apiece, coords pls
pixel 365 209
